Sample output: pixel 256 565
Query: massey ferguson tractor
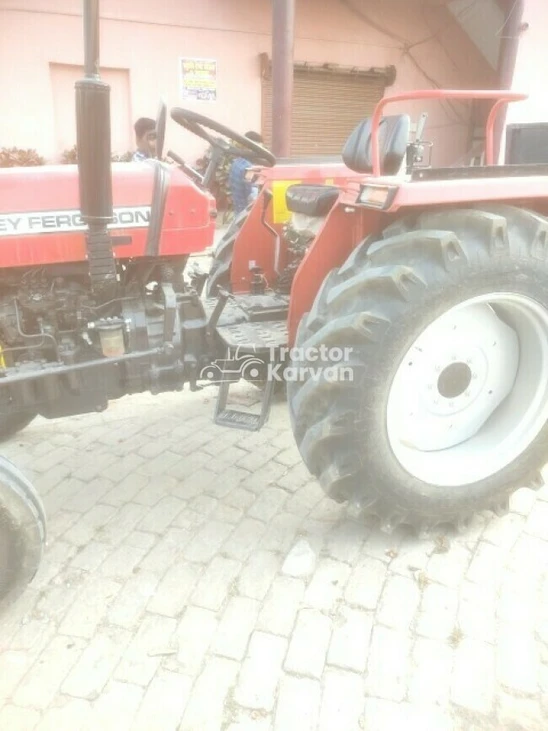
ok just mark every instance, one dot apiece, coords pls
pixel 404 309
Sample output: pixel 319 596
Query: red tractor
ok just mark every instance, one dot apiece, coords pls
pixel 405 309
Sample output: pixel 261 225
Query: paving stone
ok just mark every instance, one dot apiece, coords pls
pixel 240 498
pixel 299 702
pixel 209 539
pixel 237 624
pixel 115 709
pixel 383 715
pixel 90 557
pixel 343 699
pixel 216 583
pixel 169 549
pixel 244 540
pixel 161 602
pixel 309 642
pixel 399 602
pixel 162 515
pixel 366 582
pixel 193 638
pixel 129 605
pixel 205 707
pixel 504 531
pixel 96 664
pixel 203 504
pixel 67 714
pixel 349 646
pixel 173 591
pixel 258 574
pixel 13 666
pixel 438 612
pixel 261 671
pixel 281 533
pixel 141 659
pixel 476 612
pixel 388 664
pixel 122 561
pixel 14 717
pixel 518 660
pixel 304 500
pixel 42 682
pixel 473 685
pixel 164 702
pixel 88 525
pixel 281 605
pixel 432 666
pixel 89 495
pixel 88 610
pixel 519 713
pixel 345 541
pixel 268 504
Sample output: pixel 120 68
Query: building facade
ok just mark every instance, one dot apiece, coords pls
pixel 214 56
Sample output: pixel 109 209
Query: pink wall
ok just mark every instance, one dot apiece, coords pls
pixel 147 39
pixel 528 74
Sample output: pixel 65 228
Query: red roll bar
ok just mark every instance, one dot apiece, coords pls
pixel 500 98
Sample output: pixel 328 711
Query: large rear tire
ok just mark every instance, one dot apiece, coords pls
pixel 443 412
pixel 22 533
pixel 219 273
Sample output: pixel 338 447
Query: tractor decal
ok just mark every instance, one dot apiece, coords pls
pixel 43 222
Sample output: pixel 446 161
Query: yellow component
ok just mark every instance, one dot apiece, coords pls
pixel 2 361
pixel 280 213
pixel 330 181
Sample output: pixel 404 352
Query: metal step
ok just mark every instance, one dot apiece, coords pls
pixel 235 419
pixel 258 338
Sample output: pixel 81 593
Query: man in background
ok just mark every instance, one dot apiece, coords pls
pixel 145 137
pixel 241 191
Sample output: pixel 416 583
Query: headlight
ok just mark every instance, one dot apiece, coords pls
pixel 377 196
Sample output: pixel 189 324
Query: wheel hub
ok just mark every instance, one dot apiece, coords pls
pixel 454 380
pixel 457 399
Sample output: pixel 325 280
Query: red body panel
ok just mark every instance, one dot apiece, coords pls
pixel 39 214
pixel 254 242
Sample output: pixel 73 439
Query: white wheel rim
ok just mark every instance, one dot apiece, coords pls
pixel 471 394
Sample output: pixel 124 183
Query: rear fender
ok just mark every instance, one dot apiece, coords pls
pixel 343 229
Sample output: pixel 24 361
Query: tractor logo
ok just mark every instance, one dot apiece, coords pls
pixel 232 368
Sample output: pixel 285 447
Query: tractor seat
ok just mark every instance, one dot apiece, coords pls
pixel 311 200
pixel 393 140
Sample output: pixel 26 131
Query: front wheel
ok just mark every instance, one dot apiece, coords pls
pixel 441 408
pixel 22 533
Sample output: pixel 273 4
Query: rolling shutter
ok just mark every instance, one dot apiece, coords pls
pixel 326 108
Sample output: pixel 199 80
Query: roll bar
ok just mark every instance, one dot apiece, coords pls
pixel 500 98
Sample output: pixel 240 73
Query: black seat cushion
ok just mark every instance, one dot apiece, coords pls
pixel 311 200
pixel 393 141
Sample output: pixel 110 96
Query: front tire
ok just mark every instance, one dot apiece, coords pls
pixel 433 423
pixel 22 533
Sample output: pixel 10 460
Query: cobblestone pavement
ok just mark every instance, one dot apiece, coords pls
pixel 197 579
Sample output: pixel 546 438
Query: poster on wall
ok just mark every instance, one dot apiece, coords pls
pixel 199 79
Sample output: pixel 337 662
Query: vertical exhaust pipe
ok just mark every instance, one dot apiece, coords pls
pixel 94 159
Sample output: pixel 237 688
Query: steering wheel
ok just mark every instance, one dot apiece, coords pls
pixel 198 125
pixel 161 121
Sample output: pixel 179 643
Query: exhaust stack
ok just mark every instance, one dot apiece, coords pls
pixel 94 159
